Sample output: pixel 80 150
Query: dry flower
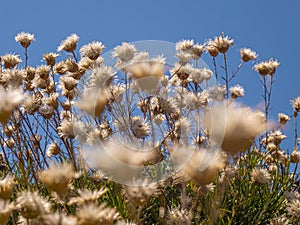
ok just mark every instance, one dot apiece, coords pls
pixel 237 91
pixel 92 50
pixel 10 60
pixel 247 54
pixel 296 104
pixel 222 43
pixel 9 100
pixel 267 67
pixel 283 118
pixel 6 209
pixel 24 39
pixel 53 149
pixel 125 52
pixel 57 177
pixel 184 45
pixel 178 216
pixel 6 187
pixel 235 126
pixel 69 44
pixel 139 194
pixel 87 196
pixel 50 58
pixel 31 204
pixel 260 176
pixel 92 214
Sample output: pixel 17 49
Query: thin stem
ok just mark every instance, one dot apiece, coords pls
pixel 226 74
pixel 26 58
pixel 295 130
pixel 237 70
pixel 215 68
pixel 75 57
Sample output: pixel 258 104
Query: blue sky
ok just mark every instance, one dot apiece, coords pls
pixel 270 27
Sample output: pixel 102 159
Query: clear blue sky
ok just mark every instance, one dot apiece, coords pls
pixel 270 27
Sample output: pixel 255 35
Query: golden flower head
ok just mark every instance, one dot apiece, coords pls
pixel 178 216
pixel 222 43
pixel 202 165
pixel 31 204
pixel 236 91
pixel 69 44
pixel 92 214
pixel 267 67
pixel 50 58
pixel 6 209
pixel 125 52
pixel 9 100
pixel 6 186
pixel 283 118
pixel 57 177
pixel 92 50
pixel 184 45
pixel 247 54
pixel 212 49
pixel 53 149
pixel 140 194
pixel 236 126
pixel 296 104
pixel 260 176
pixel 10 60
pixel 87 196
pixel 24 39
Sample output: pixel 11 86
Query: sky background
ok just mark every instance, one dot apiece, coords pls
pixel 270 27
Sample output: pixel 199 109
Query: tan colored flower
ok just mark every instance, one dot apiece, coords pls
pixel 260 176
pixel 212 49
pixel 24 39
pixel 293 208
pixel 283 118
pixel 295 156
pixel 53 149
pixel 31 204
pixel 69 44
pixel 93 102
pixel 184 45
pixel 296 104
pixel 65 129
pixel 57 177
pixel 92 214
pixel 59 68
pixel 43 71
pixel 12 78
pixel 125 52
pixel 50 58
pixel 247 54
pixel 222 43
pixel 92 50
pixel 32 104
pixel 140 194
pixel 267 67
pixel 10 60
pixel 87 196
pixel 30 73
pixel 6 209
pixel 139 127
pixel 146 69
pixel 197 51
pixel 235 126
pixel 178 216
pixel 237 91
pixel 6 187
pixel 201 166
pixel 9 100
